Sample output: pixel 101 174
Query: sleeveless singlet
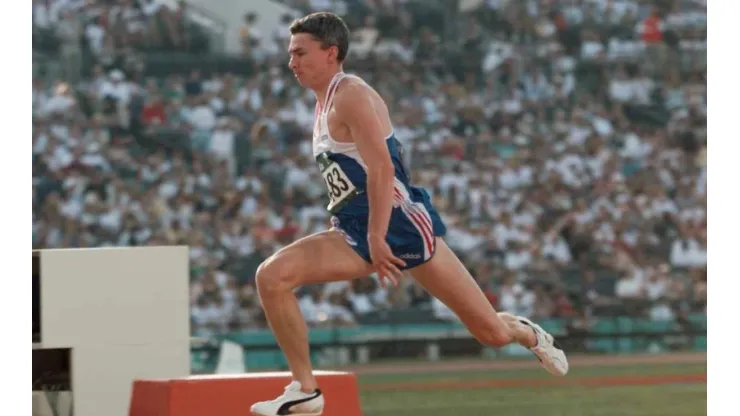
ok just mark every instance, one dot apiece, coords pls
pixel 414 223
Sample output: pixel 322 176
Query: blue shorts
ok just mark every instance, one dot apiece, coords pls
pixel 411 232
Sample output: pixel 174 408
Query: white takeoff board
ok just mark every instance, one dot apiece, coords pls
pixel 104 317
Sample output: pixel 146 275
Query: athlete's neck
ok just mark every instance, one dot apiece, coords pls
pixel 322 87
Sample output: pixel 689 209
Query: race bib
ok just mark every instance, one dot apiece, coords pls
pixel 340 187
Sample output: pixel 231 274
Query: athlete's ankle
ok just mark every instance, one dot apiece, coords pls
pixel 532 338
pixel 526 335
pixel 308 387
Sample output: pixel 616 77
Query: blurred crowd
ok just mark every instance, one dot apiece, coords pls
pixel 564 142
pixel 79 33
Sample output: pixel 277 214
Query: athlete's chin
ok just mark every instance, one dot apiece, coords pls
pixel 301 79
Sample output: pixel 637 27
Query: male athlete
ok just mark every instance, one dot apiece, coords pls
pixel 380 222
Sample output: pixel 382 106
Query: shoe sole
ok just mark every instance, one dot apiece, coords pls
pixel 558 352
pixel 255 413
pixel 557 357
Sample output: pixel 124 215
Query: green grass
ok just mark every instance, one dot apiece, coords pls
pixel 535 373
pixel 581 400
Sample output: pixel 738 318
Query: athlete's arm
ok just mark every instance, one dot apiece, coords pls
pixel 356 109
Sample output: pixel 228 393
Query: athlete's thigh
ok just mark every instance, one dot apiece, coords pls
pixel 320 257
pixel 447 279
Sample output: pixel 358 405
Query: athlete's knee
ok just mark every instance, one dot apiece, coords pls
pixel 275 276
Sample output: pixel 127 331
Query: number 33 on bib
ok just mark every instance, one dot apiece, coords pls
pixel 340 187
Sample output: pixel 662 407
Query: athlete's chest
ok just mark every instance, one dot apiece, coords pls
pixel 339 181
pixel 329 125
pixel 340 186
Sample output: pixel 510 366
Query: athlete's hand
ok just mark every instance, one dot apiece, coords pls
pixel 385 263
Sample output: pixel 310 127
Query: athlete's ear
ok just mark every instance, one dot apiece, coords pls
pixel 332 54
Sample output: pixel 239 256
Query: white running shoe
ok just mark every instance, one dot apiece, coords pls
pixel 547 350
pixel 292 402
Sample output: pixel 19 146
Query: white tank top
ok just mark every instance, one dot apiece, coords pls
pixel 342 167
pixel 322 140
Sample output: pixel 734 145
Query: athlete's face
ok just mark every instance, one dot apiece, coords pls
pixel 308 60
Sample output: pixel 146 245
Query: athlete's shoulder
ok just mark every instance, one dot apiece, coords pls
pixel 352 84
pixel 354 91
pixel 358 106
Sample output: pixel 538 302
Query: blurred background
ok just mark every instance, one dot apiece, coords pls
pixel 564 142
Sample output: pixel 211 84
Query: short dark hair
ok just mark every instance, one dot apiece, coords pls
pixel 327 28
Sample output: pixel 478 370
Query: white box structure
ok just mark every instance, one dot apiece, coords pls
pixel 123 312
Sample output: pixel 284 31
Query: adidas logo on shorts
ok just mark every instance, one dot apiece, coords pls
pixel 410 256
